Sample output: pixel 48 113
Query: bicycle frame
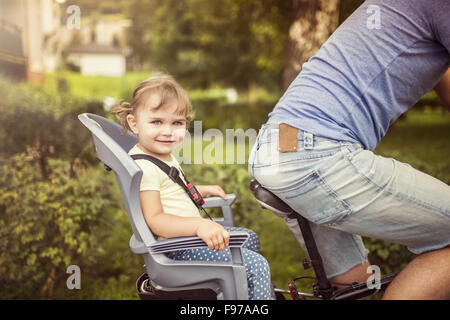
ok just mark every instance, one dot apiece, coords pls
pixel 323 289
pixel 353 292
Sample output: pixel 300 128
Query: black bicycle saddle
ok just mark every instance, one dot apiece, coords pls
pixel 268 200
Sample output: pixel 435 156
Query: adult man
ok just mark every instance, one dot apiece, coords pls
pixel 373 68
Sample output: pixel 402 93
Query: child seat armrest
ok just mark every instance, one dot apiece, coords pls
pixel 215 202
pixel 237 239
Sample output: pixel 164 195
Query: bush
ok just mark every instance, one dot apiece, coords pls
pixel 48 223
pixel 48 125
pixel 54 206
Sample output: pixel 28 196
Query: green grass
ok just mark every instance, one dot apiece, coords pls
pixel 94 87
pixel 98 87
pixel 422 140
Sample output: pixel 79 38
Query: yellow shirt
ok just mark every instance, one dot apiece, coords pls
pixel 174 198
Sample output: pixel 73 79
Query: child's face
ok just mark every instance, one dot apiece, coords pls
pixel 159 131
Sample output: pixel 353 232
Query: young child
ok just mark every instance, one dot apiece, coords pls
pixel 159 115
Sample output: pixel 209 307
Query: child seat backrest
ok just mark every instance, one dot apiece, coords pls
pixel 112 145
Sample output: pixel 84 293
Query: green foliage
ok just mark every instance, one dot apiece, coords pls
pixel 47 224
pixel 202 43
pixel 55 209
pixel 390 257
pixel 237 43
pixel 44 124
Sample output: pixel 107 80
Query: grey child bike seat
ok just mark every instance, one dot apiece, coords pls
pixel 227 279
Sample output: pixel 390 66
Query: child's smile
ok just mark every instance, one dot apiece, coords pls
pixel 159 131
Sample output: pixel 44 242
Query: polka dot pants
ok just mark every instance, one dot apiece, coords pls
pixel 257 267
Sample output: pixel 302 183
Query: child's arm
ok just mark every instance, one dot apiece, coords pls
pixel 209 191
pixel 170 226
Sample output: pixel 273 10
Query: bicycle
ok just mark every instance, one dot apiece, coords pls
pixel 323 288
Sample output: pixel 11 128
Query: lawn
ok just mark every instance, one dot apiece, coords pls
pixel 422 140
pixel 93 87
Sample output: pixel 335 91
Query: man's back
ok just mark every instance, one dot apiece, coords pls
pixel 373 68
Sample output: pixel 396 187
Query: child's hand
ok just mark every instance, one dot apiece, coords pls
pixel 209 191
pixel 214 235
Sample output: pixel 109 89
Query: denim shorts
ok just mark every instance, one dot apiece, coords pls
pixel 347 192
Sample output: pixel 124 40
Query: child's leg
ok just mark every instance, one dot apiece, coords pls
pixel 252 242
pixel 256 266
pixel 258 276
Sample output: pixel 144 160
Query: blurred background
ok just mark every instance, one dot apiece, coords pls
pixel 59 207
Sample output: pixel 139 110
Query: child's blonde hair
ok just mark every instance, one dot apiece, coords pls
pixel 166 88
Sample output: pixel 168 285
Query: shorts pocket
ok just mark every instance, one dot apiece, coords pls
pixel 315 199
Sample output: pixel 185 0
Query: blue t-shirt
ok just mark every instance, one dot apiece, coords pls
pixel 373 68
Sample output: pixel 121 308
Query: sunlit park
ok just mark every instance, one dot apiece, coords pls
pixel 62 213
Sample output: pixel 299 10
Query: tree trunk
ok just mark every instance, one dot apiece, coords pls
pixel 313 23
pixel 47 289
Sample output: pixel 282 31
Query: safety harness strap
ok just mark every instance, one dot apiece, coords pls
pixel 174 174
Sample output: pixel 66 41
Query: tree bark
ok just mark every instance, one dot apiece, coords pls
pixel 313 23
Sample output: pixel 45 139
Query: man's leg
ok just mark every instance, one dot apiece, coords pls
pixel 356 274
pixel 426 277
pixel 343 255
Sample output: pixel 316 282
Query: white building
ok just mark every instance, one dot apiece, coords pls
pixel 96 59
pixel 33 34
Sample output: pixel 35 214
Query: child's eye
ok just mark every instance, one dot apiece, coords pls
pixel 156 122
pixel 178 123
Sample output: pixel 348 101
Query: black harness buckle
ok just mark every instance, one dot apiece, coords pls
pixel 174 174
